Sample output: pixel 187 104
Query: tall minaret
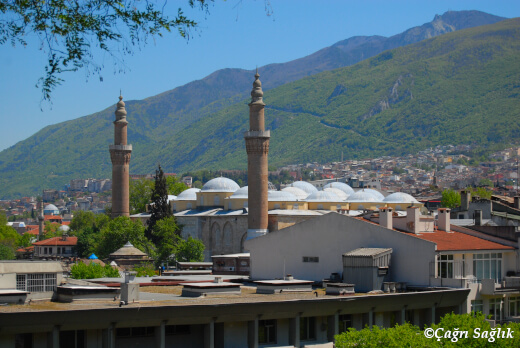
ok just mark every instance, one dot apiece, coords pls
pixel 257 147
pixel 120 155
pixel 41 220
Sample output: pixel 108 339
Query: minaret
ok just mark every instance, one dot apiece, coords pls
pixel 120 155
pixel 257 147
pixel 41 220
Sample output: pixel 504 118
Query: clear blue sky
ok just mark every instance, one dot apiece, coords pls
pixel 235 34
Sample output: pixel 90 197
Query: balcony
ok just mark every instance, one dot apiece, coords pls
pixel 257 134
pixel 510 285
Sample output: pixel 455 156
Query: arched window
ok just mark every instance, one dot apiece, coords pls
pixel 188 206
pixel 228 235
pixel 320 206
pixel 295 206
pixel 201 200
pixel 277 206
pixel 216 200
pixel 217 238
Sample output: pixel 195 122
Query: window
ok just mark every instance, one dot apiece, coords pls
pixel 307 328
pixel 477 306
pixel 216 200
pixel 135 331
pixel 75 339
pixel 177 330
pixel 45 250
pixel 36 282
pixel 277 206
pixel 344 322
pixel 445 266
pixel 295 206
pixel 495 308
pixel 514 306
pixel 266 331
pixel 311 259
pixel 320 206
pixel 488 266
pixel 23 340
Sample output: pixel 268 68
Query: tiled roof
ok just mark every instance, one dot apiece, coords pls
pixel 453 241
pixel 58 241
pixel 33 231
pixel 52 217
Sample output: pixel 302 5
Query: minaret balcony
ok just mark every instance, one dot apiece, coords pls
pixel 257 134
pixel 120 147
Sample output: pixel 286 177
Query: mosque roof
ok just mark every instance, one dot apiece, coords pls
pixel 281 196
pixel 241 193
pixel 400 197
pixel 298 192
pixel 220 185
pixel 341 194
pixel 127 250
pixel 50 207
pixel 362 196
pixel 340 185
pixel 188 195
pixel 375 193
pixel 323 196
pixel 305 186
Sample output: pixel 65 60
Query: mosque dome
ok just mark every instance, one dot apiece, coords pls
pixel 341 194
pixel 400 197
pixel 188 195
pixel 220 185
pixel 362 196
pixel 305 186
pixel 375 193
pixel 323 196
pixel 171 198
pixel 241 193
pixel 298 192
pixel 51 209
pixel 340 185
pixel 281 196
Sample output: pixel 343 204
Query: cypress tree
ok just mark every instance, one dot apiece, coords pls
pixel 159 207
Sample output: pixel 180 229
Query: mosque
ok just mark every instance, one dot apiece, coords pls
pixel 223 215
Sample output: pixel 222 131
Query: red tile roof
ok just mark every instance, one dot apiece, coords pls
pixel 35 231
pixel 58 241
pixel 457 241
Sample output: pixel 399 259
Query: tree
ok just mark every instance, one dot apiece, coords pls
pixel 93 270
pixel 117 232
pixel 450 199
pixel 71 31
pixel 190 250
pixel 174 186
pixel 159 208
pixel 166 232
pixel 6 252
pixel 140 193
pixel 485 182
pixel 87 227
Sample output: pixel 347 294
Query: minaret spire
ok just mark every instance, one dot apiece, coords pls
pixel 120 154
pixel 257 147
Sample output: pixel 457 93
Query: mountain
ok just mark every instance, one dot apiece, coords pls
pixel 178 127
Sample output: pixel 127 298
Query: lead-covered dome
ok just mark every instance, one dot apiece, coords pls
pixel 280 196
pixel 362 197
pixel 341 186
pixel 323 196
pixel 241 193
pixel 375 193
pixel 305 186
pixel 400 197
pixel 188 195
pixel 220 185
pixel 298 192
pixel 341 194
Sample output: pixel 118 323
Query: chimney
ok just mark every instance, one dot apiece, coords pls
pixel 413 216
pixel 385 217
pixel 517 202
pixel 478 217
pixel 443 219
pixel 465 198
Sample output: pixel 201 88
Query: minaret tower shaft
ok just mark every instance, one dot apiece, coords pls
pixel 120 156
pixel 257 147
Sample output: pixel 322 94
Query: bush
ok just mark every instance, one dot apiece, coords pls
pixel 145 270
pixel 92 271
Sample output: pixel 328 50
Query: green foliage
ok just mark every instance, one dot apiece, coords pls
pixel 140 194
pixel 87 227
pixel 411 336
pixel 159 208
pixel 485 182
pixel 190 250
pixel 113 26
pixel 93 270
pixel 482 192
pixel 166 232
pixel 174 186
pixel 450 199
pixel 6 252
pixel 117 232
pixel 145 270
